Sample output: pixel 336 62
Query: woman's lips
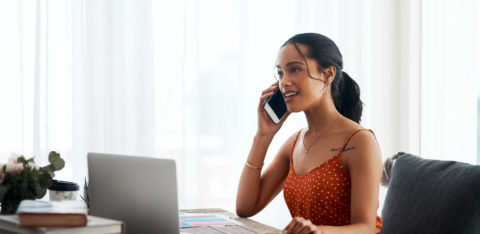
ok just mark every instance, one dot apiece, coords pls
pixel 288 99
pixel 289 96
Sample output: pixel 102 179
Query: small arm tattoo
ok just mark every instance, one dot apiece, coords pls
pixel 344 150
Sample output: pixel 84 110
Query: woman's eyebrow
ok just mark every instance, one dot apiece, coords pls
pixel 292 63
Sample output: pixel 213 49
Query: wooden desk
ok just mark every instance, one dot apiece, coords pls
pixel 249 226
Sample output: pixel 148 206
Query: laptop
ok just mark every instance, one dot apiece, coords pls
pixel 140 191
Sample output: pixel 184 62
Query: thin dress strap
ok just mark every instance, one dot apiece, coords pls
pixel 353 134
pixel 293 146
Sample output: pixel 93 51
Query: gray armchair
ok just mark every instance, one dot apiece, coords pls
pixel 430 196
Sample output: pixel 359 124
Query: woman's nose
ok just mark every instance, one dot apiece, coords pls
pixel 285 81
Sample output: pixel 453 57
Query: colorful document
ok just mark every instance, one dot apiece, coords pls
pixel 198 220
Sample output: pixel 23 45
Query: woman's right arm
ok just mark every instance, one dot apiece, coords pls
pixel 255 189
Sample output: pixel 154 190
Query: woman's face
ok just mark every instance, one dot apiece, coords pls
pixel 300 91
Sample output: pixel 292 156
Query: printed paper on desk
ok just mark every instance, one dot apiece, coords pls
pixel 200 219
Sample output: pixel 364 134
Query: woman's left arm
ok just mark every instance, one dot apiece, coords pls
pixel 364 164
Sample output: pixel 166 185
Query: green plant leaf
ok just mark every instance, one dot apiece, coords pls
pixel 52 154
pixel 45 180
pixel 41 192
pixel 47 171
pixel 3 190
pixel 58 164
pixel 55 160
pixel 22 160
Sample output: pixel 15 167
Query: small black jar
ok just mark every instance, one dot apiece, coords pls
pixel 63 190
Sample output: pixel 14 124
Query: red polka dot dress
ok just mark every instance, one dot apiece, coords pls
pixel 323 194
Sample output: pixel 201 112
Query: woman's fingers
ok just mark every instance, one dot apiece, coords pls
pixel 265 96
pixel 270 89
pixel 288 228
pixel 307 227
pixel 265 125
pixel 299 225
pixel 266 93
pixel 294 226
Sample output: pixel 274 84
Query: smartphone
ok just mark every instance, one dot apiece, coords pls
pixel 275 107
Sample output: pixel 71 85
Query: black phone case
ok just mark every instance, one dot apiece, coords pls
pixel 265 102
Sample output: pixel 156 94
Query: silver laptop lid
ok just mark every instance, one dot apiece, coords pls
pixel 140 191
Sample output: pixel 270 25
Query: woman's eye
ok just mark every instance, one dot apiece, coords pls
pixel 294 69
pixel 279 73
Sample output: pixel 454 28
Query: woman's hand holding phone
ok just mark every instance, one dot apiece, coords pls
pixel 265 125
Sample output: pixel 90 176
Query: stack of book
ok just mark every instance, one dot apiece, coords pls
pixel 56 217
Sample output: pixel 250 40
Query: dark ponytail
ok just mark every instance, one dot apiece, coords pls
pixel 346 96
pixel 345 91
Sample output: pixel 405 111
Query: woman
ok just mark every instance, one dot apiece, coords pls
pixel 330 171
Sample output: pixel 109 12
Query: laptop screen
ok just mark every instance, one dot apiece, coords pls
pixel 140 191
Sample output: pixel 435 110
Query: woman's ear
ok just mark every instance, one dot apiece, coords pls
pixel 330 73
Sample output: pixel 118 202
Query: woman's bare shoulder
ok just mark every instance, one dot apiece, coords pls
pixel 361 140
pixel 362 148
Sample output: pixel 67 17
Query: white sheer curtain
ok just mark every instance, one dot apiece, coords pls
pixel 113 95
pixel 35 79
pixel 450 77
pixel 181 79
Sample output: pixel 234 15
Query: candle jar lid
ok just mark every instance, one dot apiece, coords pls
pixel 60 185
